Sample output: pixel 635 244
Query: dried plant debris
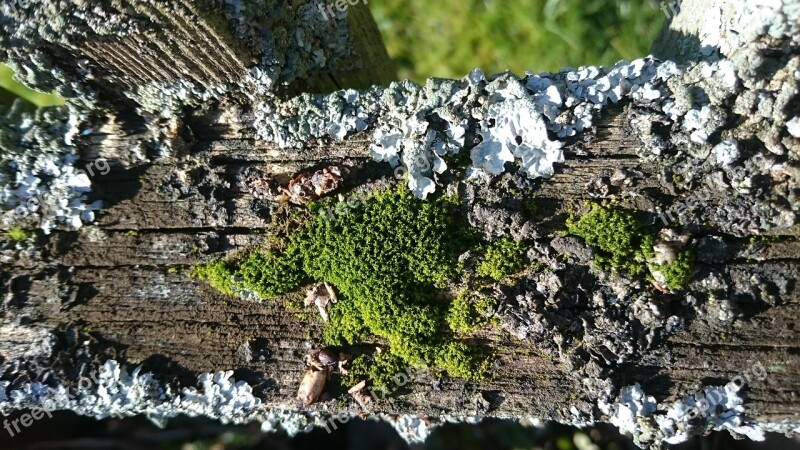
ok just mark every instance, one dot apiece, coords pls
pixel 311 386
pixel 320 364
pixel 303 188
pixel 359 395
pixel 326 360
pixel 320 296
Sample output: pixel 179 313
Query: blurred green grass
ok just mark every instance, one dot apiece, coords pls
pixel 448 38
pixel 37 98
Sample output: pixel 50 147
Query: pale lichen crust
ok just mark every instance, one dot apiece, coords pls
pixel 713 408
pixel 519 120
pixel 714 121
pixel 40 184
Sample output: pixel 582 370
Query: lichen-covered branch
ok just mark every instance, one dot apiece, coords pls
pixel 615 244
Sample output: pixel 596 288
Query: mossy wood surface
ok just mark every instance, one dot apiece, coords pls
pixel 130 293
pixel 132 296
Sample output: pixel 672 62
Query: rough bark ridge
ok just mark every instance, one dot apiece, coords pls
pixel 184 99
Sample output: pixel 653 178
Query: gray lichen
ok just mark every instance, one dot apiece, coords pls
pixel 718 124
pixel 29 26
pixel 114 392
pixel 728 125
pixel 713 408
pixel 291 41
pixel 41 182
pixel 519 120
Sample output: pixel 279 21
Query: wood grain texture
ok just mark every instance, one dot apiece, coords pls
pixel 123 283
pixel 132 294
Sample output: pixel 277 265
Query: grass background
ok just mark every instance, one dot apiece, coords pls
pixel 8 84
pixel 448 38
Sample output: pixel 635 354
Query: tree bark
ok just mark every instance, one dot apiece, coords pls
pixel 122 284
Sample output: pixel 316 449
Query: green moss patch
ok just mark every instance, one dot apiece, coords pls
pixel 218 274
pixel 502 258
pixel 678 272
pixel 469 312
pixel 621 243
pixel 17 234
pixel 270 274
pixel 388 258
pixel 379 368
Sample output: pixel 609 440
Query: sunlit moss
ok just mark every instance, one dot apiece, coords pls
pixel 218 274
pixel 621 243
pixel 387 257
pixel 17 234
pixel 469 312
pixel 502 258
pixel 678 272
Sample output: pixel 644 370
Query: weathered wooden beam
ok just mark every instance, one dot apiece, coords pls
pixel 572 339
